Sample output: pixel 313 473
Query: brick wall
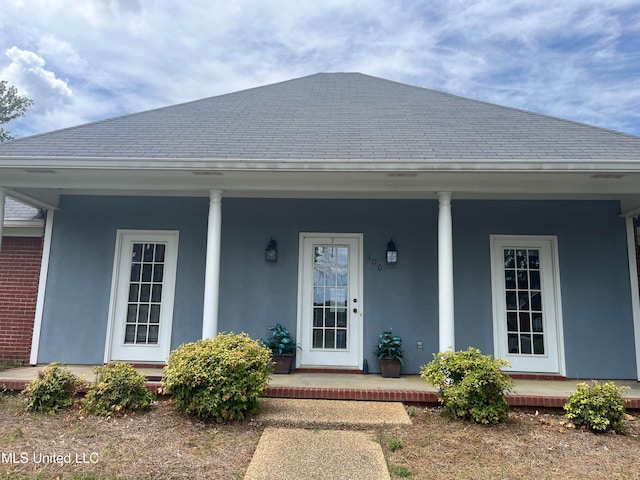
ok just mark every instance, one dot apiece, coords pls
pixel 19 276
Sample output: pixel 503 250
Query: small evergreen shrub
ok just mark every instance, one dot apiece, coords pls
pixel 470 385
pixel 219 379
pixel 598 407
pixel 118 388
pixel 53 390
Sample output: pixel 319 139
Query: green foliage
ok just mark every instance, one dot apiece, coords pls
pixel 400 471
pixel 117 389
pixel 599 407
pixel 470 385
pixel 7 364
pixel 53 390
pixel 389 346
pixel 280 342
pixel 12 106
pixel 394 444
pixel 219 379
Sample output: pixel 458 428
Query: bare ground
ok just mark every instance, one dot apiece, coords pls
pixel 162 444
pixel 529 445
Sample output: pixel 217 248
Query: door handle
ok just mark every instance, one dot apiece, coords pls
pixel 355 310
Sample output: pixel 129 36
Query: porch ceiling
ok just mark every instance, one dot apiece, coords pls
pixel 46 184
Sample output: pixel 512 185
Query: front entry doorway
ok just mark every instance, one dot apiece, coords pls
pixel 330 301
pixel 526 303
pixel 141 312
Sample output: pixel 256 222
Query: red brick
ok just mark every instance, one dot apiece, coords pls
pixel 19 277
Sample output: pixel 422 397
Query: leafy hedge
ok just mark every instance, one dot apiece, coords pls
pixel 470 385
pixel 118 388
pixel 53 390
pixel 599 407
pixel 219 379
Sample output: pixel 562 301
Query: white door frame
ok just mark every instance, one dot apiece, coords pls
pixel 119 293
pixel 551 288
pixel 355 319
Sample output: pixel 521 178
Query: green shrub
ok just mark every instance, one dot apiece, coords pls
pixel 218 379
pixel 53 390
pixel 118 388
pixel 470 385
pixel 599 407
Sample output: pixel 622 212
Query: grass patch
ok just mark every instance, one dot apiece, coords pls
pixel 7 364
pixel 399 471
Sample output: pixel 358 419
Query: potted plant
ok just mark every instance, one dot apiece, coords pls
pixel 389 352
pixel 282 347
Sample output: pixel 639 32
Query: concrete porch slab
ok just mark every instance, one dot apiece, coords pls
pixel 372 387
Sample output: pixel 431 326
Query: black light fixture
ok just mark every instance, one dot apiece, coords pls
pixel 271 252
pixel 392 253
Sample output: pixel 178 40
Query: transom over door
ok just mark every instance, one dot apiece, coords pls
pixel 142 296
pixel 526 303
pixel 330 301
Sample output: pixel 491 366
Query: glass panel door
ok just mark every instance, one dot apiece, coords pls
pixel 142 299
pixel 330 299
pixel 145 293
pixel 523 296
pixel 527 326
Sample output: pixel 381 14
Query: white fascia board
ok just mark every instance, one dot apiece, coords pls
pixel 23 228
pixel 631 213
pixel 337 164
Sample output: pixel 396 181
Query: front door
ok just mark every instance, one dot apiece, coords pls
pixel 330 301
pixel 142 296
pixel 526 303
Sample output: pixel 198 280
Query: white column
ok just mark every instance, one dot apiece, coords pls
pixel 212 266
pixel 445 273
pixel 635 295
pixel 3 194
pixel 42 287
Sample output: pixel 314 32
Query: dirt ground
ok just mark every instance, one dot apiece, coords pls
pixel 529 445
pixel 162 444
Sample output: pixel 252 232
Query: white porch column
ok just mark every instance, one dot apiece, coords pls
pixel 212 266
pixel 3 194
pixel 635 295
pixel 445 273
pixel 42 287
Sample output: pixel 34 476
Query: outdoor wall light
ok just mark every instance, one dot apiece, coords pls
pixel 392 253
pixel 271 252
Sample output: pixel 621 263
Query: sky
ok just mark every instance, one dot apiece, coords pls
pixel 87 60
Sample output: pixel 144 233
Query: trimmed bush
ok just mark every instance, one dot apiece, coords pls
pixel 219 379
pixel 598 407
pixel 53 390
pixel 470 385
pixel 117 389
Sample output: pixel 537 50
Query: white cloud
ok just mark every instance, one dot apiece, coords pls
pixel 576 59
pixel 27 72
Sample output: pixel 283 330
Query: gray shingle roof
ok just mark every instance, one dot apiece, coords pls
pixel 327 116
pixel 14 210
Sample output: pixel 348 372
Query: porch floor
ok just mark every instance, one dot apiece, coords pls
pixel 372 387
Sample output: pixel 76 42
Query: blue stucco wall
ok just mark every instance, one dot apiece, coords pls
pixel 76 306
pixel 594 278
pixel 254 294
pixel 403 296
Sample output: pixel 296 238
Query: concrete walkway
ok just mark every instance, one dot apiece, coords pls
pixel 321 439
